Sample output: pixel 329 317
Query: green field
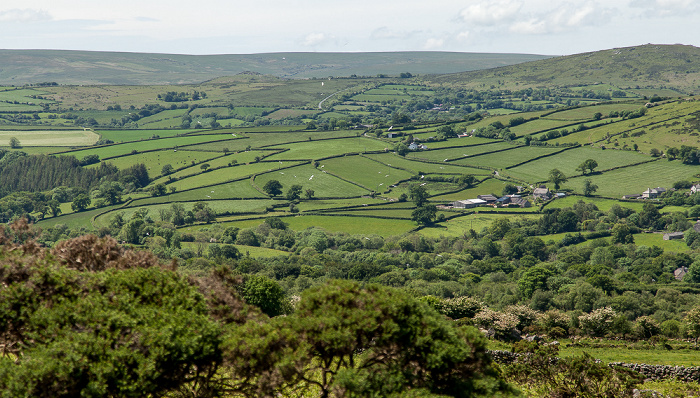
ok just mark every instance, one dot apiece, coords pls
pixel 323 184
pixel 53 138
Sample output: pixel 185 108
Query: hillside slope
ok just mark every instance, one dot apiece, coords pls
pixel 647 66
pixel 18 67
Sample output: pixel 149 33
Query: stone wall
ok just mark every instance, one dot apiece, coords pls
pixel 653 372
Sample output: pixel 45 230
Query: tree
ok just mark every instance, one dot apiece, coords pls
pixel 402 149
pixel 309 194
pixel 467 180
pixel 557 178
pixel 588 165
pixel 205 166
pixel 77 334
pixel 273 188
pixel 14 143
pixel 622 233
pixel 54 207
pixel 167 169
pixel 406 347
pixel 418 194
pixel 266 294
pixel 589 188
pixel 424 214
pixel 509 189
pixel 654 152
pixel 81 202
pixel 158 190
pixel 294 192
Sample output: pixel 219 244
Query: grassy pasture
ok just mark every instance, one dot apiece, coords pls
pixel 156 144
pixel 501 160
pixel 283 113
pixel 414 166
pixel 636 179
pixel 252 251
pixel 365 172
pixel 351 225
pixel 587 112
pixel 264 139
pixel 537 125
pixel 489 186
pixel 228 190
pixel 220 161
pixel 440 155
pixel 461 225
pixel 136 135
pixel 223 174
pixel 318 149
pixel 56 138
pixel 155 161
pixel 323 184
pixel 602 204
pixel 461 142
pixel 568 161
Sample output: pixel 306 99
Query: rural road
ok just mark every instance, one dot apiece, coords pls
pixel 324 100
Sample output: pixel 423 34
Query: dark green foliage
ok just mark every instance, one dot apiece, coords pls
pixel 294 192
pixel 570 377
pixel 265 294
pixel 424 214
pixel 131 332
pixel 404 344
pixel 273 188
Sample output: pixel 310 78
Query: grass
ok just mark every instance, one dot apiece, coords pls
pixel 602 204
pixel 140 146
pixel 415 166
pixel 462 225
pixel 323 184
pixel 568 161
pixel 366 172
pixel 318 149
pixel 54 138
pixel 634 180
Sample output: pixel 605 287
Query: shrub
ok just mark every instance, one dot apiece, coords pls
pixel 598 322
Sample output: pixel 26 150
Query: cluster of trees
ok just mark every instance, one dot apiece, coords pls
pixel 174 96
pixel 117 323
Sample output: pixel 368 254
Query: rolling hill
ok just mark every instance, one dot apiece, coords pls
pixel 19 67
pixel 648 66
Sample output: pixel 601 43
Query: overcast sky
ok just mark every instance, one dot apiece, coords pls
pixel 549 27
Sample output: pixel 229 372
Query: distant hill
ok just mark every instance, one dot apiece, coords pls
pixel 19 67
pixel 647 66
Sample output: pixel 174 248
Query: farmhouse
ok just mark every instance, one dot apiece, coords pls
pixel 695 188
pixel 653 193
pixel 416 147
pixel 542 193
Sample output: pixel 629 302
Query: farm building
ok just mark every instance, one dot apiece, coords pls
pixel 468 204
pixel 488 198
pixel 695 188
pixel 541 193
pixel 673 235
pixel 632 196
pixel 679 273
pixel 653 193
pixel 522 202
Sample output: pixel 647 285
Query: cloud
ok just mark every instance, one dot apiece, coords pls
pixel 464 36
pixel 487 13
pixel 384 33
pixel 432 44
pixel 313 39
pixel 24 15
pixel 665 8
pixel 565 17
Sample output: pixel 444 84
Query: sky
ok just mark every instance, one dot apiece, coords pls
pixel 548 27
